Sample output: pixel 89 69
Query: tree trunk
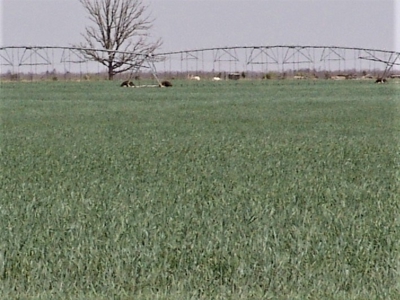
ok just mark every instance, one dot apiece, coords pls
pixel 110 72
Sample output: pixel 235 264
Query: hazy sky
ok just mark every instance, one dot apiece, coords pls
pixel 193 24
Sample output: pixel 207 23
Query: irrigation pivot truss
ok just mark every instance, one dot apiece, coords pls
pixel 280 58
pixel 32 61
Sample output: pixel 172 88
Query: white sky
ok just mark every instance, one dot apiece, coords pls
pixel 193 24
pixel 1 22
pixel 396 12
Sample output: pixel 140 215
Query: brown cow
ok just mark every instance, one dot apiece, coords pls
pixel 127 83
pixel 380 80
pixel 166 83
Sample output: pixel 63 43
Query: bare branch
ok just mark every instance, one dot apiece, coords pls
pixel 122 27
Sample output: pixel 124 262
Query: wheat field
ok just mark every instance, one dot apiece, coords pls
pixel 206 190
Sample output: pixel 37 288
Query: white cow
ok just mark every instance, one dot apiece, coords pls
pixel 194 77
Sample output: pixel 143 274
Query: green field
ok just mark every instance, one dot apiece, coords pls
pixel 207 190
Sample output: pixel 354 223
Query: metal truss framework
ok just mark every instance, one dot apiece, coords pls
pixel 39 59
pixel 279 58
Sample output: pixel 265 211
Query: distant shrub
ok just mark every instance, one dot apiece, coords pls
pixel 273 75
pixel 14 77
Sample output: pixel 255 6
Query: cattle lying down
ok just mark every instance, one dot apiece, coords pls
pixel 127 83
pixel 380 80
pixel 191 77
pixel 166 83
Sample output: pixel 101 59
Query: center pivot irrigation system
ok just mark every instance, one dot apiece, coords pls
pixel 39 61
pixel 17 61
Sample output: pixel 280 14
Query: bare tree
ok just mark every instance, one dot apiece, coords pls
pixel 121 28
